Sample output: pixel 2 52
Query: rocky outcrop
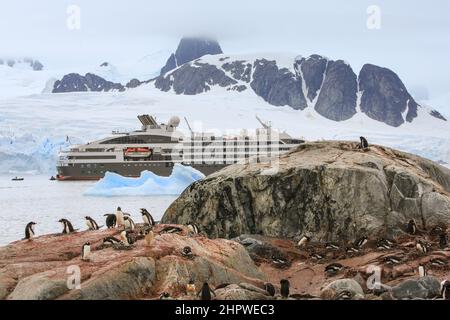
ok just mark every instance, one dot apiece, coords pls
pixel 337 98
pixel 384 96
pixel 312 70
pixel 331 191
pixel 194 78
pixel 190 49
pixel 277 86
pixel 44 268
pixel 75 82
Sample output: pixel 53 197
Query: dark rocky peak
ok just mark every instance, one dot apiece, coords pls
pixel 338 94
pixel 190 49
pixel 384 96
pixel 312 70
pixel 104 64
pixel 75 82
pixel 278 87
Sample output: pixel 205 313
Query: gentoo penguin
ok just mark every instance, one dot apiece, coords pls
pixel 317 256
pixel 171 229
pixel 149 237
pixel 333 268
pixel 190 288
pixel 67 226
pixel 270 289
pixel 165 296
pixel 392 260
pixel 363 143
pixel 110 241
pixel 331 246
pixel 438 262
pixel 384 244
pixel 86 251
pixel 303 241
pixel 126 238
pixel 187 252
pixel 120 222
pixel 443 241
pixel 361 242
pixel 344 295
pixel 29 230
pixel 91 223
pixel 351 250
pixel 129 223
pixel 421 247
pixel 422 271
pixel 279 262
pixel 193 229
pixel 147 217
pixel 284 290
pixel 445 290
pixel 412 227
pixel 205 292
pixel 110 220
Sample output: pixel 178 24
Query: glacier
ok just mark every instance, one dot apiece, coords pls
pixel 148 184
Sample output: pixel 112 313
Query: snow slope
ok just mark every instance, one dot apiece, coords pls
pixel 148 184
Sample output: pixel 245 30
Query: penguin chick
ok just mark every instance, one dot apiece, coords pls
pixel 187 253
pixel 149 237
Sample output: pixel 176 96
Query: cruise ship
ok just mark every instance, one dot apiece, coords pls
pixel 157 147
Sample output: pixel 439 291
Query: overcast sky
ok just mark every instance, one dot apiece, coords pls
pixel 414 38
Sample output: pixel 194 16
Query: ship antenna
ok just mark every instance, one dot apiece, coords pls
pixel 189 126
pixel 265 125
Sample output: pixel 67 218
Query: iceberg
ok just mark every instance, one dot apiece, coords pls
pixel 148 184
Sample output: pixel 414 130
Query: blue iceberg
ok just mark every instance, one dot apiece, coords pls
pixel 148 184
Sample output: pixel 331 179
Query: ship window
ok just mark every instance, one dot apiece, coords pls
pixel 138 139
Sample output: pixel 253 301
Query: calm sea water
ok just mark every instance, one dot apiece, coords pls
pixel 45 202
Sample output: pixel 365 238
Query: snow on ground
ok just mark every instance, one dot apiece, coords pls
pixel 148 184
pixel 34 127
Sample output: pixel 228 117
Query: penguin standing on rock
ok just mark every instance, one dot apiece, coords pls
pixel 363 143
pixel 110 220
pixel 421 247
pixel 361 242
pixel 422 271
pixel 67 226
pixel 206 292
pixel 147 217
pixel 129 223
pixel 91 223
pixel 86 251
pixel 270 289
pixel 120 221
pixel 412 227
pixel 284 290
pixel 29 230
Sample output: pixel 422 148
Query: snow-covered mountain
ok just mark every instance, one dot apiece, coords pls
pixel 311 97
pixel 22 63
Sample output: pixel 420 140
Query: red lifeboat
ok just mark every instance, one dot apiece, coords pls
pixel 138 152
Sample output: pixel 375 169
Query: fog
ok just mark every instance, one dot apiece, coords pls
pixel 413 38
